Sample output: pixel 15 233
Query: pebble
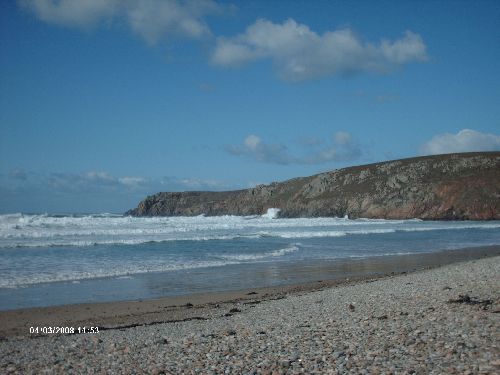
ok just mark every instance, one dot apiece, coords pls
pixel 398 325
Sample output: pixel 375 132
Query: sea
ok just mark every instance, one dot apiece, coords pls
pixel 58 259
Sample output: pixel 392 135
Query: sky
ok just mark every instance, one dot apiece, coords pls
pixel 103 102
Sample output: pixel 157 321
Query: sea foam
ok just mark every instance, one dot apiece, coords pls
pixel 62 248
pixel 18 230
pixel 272 213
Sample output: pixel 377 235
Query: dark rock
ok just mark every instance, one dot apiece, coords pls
pixel 466 299
pixel 442 187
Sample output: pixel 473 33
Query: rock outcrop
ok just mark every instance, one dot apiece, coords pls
pixel 443 187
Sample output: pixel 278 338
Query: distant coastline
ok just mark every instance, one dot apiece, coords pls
pixel 462 186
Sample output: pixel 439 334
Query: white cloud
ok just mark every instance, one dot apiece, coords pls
pixel 191 183
pixel 254 147
pixel 132 182
pixel 103 182
pixel 341 147
pixel 151 19
pixel 104 178
pixel 465 140
pixel 298 53
pixel 77 13
pixel 92 181
pixel 252 142
pixel 198 183
pixel 101 177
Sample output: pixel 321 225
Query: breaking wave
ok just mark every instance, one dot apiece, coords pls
pixel 19 230
pixel 126 270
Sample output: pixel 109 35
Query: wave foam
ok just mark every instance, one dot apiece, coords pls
pixel 272 213
pixel 270 254
pixel 127 270
pixel 19 230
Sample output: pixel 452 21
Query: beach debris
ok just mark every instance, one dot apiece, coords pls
pixel 252 302
pixel 351 307
pixel 189 305
pixel 251 293
pixel 276 298
pixel 468 300
pixel 234 310
pixel 163 340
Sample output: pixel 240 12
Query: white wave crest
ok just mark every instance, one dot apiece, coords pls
pixel 270 254
pixel 121 271
pixel 72 274
pixel 19 230
pixel 272 213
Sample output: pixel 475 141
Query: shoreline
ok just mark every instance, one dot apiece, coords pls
pixel 440 320
pixel 205 306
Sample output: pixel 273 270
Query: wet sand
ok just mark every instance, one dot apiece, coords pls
pixel 127 314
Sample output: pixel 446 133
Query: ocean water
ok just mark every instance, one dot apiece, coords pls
pixel 104 251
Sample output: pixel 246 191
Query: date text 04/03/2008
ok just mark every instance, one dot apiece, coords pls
pixel 63 330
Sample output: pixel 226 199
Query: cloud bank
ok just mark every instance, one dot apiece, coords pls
pixel 92 191
pixel 341 147
pixel 99 181
pixel 298 53
pixel 465 140
pixel 150 19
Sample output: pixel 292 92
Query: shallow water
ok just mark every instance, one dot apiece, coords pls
pixel 46 252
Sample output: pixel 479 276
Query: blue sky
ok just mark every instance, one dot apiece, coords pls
pixel 103 102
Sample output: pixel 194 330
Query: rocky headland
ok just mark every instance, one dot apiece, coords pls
pixel 462 186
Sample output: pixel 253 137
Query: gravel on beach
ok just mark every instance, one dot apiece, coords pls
pixel 439 321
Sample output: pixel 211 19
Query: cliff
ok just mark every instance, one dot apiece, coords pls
pixel 442 187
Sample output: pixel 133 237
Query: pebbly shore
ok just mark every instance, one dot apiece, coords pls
pixel 442 320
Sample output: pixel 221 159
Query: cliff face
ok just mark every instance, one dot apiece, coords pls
pixel 452 187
